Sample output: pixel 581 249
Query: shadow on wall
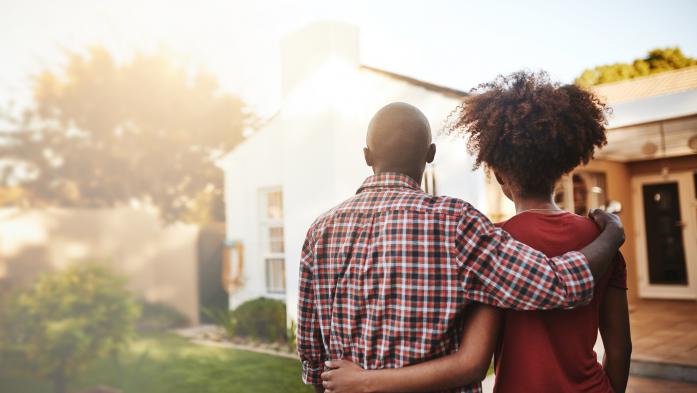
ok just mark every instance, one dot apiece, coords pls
pixel 159 261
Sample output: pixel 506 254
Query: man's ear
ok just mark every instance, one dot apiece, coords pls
pixel 368 155
pixel 498 178
pixel 431 154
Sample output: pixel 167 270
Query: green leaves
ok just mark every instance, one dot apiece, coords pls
pixel 657 60
pixel 258 319
pixel 103 133
pixel 261 319
pixel 68 319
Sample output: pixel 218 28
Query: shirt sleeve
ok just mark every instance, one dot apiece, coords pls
pixel 496 269
pixel 618 277
pixel 309 337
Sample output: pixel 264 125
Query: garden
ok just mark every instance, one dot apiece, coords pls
pixel 81 330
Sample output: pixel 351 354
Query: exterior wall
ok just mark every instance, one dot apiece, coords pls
pixel 619 177
pixel 256 165
pixel 159 261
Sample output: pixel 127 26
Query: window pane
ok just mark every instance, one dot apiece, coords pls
pixel 276 232
pixel 275 275
pixel 276 244
pixel 274 205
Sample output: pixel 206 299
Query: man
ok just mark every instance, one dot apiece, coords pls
pixel 386 275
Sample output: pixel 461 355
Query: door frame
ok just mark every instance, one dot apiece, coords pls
pixel 688 215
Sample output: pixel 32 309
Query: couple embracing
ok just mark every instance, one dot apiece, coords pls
pixel 402 291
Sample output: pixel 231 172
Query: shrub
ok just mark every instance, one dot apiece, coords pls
pixel 261 319
pixel 159 316
pixel 68 319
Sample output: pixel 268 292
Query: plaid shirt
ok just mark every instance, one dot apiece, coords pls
pixel 385 277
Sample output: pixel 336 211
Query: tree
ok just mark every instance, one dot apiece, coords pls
pixel 657 60
pixel 68 319
pixel 103 133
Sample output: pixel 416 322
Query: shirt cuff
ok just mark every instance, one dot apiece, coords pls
pixel 577 277
pixel 312 372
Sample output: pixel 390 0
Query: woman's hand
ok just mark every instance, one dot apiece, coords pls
pixel 344 377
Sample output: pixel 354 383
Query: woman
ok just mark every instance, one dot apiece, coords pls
pixel 529 132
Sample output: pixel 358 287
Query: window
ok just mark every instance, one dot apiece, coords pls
pixel 273 246
pixel 581 192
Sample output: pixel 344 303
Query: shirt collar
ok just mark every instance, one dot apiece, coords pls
pixel 389 180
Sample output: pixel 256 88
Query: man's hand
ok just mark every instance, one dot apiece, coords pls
pixel 602 251
pixel 344 377
pixel 609 222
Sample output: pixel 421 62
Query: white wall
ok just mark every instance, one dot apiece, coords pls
pixel 256 165
pixel 159 261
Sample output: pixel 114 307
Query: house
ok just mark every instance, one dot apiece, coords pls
pixel 308 157
pixel 649 167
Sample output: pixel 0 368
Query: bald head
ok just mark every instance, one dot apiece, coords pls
pixel 399 140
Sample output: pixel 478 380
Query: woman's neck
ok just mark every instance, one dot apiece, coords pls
pixel 535 203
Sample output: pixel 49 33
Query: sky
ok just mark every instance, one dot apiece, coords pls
pixel 453 43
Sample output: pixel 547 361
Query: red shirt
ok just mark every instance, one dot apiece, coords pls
pixel 386 276
pixel 552 351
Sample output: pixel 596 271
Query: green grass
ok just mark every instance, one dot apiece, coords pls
pixel 165 363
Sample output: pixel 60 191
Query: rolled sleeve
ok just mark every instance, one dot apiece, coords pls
pixel 312 372
pixel 309 338
pixel 500 271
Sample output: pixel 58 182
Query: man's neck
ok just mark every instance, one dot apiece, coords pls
pixel 416 175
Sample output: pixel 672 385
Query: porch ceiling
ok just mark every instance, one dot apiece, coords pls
pixel 645 141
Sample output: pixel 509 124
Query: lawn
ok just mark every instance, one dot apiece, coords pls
pixel 165 363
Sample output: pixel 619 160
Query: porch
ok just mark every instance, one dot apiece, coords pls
pixel 647 385
pixel 664 336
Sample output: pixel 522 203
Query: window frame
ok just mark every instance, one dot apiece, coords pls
pixel 266 224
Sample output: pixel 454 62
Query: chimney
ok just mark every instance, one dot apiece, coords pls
pixel 305 50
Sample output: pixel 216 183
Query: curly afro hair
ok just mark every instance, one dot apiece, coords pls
pixel 530 129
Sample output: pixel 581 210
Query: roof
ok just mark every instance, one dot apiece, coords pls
pixel 448 91
pixel 648 86
pixel 652 109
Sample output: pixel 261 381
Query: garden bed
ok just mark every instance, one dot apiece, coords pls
pixel 215 336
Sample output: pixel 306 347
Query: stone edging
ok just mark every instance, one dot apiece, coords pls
pixel 250 348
